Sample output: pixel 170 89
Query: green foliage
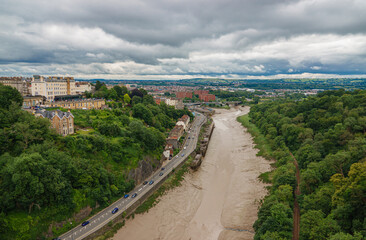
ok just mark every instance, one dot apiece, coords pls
pixel 9 95
pixel 126 98
pixel 46 178
pixel 314 225
pixel 326 133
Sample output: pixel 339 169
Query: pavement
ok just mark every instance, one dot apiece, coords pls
pixel 105 216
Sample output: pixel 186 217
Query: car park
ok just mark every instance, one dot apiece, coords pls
pixel 134 195
pixel 85 223
pixel 151 182
pixel 114 210
pixel 126 196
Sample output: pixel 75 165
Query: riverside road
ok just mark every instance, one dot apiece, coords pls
pixel 105 216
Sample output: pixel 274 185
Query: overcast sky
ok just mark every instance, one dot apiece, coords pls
pixel 171 39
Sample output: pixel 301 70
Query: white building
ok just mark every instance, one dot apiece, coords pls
pixel 183 121
pixel 81 87
pixel 52 86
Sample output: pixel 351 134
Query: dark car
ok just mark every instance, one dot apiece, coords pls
pixel 151 182
pixel 126 196
pixel 163 168
pixel 161 174
pixel 145 183
pixel 85 223
pixel 182 155
pixel 134 195
pixel 114 210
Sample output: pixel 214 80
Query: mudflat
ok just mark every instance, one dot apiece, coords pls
pixel 218 201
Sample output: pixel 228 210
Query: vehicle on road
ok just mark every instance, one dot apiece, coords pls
pixel 126 196
pixel 145 183
pixel 189 137
pixel 182 155
pixel 185 147
pixel 85 223
pixel 134 195
pixel 161 174
pixel 114 210
pixel 163 168
pixel 151 182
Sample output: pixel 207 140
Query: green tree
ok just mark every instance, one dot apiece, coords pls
pixel 8 95
pixel 126 98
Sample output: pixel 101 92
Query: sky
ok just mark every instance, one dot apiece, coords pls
pixel 171 39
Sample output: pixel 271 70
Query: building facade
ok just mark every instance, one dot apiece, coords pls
pixel 21 84
pixel 183 121
pixel 207 97
pixel 62 122
pixel 33 101
pixel 175 102
pixel 183 94
pixel 174 135
pixel 82 87
pixel 199 92
pixel 52 86
pixel 79 104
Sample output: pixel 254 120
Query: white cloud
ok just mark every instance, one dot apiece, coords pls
pixel 227 38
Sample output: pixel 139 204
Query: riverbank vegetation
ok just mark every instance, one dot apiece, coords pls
pixel 326 134
pixel 46 178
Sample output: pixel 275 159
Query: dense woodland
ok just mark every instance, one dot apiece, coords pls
pixel 45 177
pixel 327 136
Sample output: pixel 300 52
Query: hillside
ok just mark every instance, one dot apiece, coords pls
pixel 326 134
pixel 46 178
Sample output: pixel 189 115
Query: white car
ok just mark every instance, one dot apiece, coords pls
pixel 185 148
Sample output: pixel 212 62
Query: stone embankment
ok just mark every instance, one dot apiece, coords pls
pixel 203 145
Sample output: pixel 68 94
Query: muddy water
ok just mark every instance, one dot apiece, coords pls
pixel 218 201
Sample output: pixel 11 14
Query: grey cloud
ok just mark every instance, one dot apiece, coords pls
pixel 183 37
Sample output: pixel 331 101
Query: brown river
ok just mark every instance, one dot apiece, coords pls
pixel 218 201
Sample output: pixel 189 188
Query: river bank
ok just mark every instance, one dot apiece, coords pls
pixel 219 200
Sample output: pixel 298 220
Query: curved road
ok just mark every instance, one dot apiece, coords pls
pixel 105 216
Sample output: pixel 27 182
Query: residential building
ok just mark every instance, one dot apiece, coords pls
pixel 33 101
pixel 207 97
pixel 52 86
pixel 157 100
pixel 183 121
pixel 175 102
pixel 82 87
pixel 21 84
pixel 183 94
pixel 62 122
pixel 168 152
pixel 90 103
pixel 199 92
pixel 174 135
